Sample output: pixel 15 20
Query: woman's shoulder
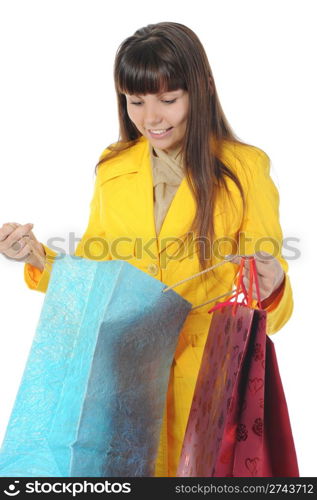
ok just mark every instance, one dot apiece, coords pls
pixel 120 157
pixel 241 153
pixel 247 161
pixel 120 149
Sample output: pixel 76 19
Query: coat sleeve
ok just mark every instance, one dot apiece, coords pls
pixel 261 231
pixel 91 246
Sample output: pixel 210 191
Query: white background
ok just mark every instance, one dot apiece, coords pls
pixel 58 112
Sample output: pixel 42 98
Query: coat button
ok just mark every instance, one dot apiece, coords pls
pixel 152 269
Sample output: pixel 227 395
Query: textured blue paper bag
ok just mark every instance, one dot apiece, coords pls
pixel 92 395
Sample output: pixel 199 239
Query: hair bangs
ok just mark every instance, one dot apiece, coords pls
pixel 143 72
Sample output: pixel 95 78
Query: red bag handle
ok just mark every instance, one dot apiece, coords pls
pixel 247 295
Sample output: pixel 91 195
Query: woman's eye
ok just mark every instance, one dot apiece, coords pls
pixel 165 102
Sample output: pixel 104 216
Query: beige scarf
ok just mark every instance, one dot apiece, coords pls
pixel 167 172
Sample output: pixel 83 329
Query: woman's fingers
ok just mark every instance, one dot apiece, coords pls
pixel 265 288
pixel 269 272
pixel 18 233
pixel 5 231
pixel 17 242
pixel 13 238
pixel 18 245
pixel 262 263
pixel 25 251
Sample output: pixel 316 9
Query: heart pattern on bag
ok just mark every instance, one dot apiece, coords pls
pixel 214 406
pixel 255 384
pixel 252 465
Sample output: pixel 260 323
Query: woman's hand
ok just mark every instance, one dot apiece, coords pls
pixel 270 274
pixel 17 242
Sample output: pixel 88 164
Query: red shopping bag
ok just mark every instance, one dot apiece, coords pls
pixel 238 424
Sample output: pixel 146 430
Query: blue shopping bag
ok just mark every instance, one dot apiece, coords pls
pixel 92 396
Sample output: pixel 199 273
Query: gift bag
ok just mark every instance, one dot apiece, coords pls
pixel 92 395
pixel 238 424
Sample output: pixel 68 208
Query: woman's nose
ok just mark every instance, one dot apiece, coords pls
pixel 151 116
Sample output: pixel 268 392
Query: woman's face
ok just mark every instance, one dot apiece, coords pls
pixel 161 118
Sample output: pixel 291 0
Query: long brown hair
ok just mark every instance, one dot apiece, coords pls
pixel 168 56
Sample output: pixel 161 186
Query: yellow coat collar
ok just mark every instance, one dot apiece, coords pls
pixel 136 192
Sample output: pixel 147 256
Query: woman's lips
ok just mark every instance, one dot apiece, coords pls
pixel 160 136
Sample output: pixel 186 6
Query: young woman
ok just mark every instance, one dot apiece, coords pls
pixel 174 195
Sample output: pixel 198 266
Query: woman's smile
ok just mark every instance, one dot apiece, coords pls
pixel 160 133
pixel 162 117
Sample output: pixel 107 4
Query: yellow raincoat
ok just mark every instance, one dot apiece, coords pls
pixel 121 226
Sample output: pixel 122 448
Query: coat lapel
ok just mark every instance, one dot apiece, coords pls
pixel 178 219
pixel 132 199
pixel 129 189
pixel 181 211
